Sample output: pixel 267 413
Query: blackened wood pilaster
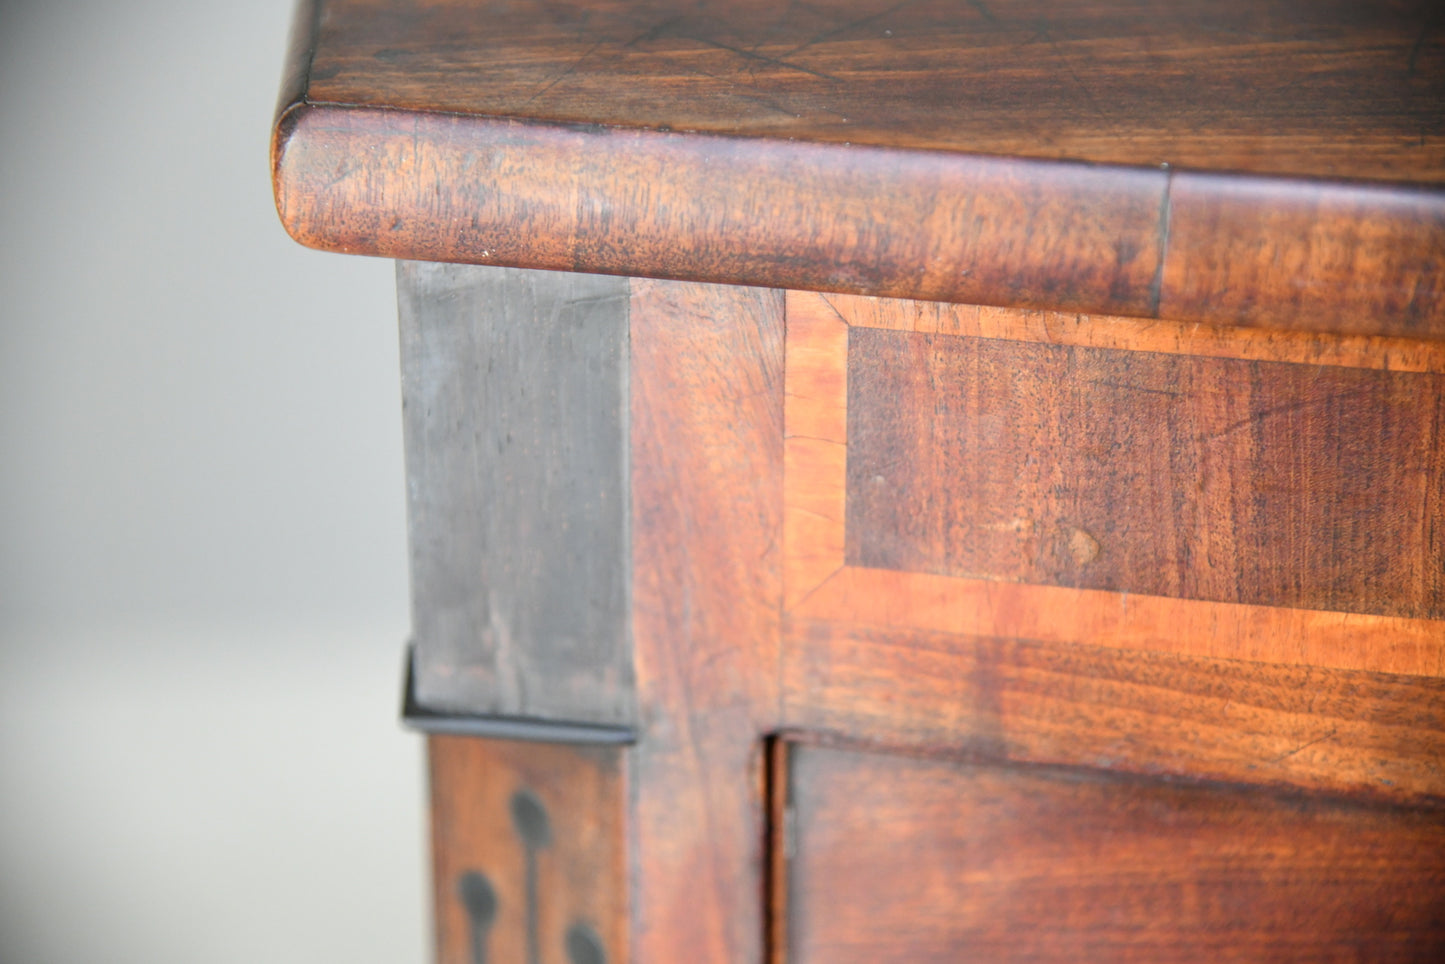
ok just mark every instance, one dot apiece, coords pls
pixel 515 395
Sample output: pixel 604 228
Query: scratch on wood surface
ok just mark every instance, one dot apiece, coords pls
pixel 1135 388
pixel 1254 418
pixel 847 26
pixel 563 75
pixel 983 11
pixel 1430 20
pixel 762 58
pixel 1305 746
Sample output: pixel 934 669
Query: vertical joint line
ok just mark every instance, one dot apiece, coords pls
pixel 1166 210
pixel 778 844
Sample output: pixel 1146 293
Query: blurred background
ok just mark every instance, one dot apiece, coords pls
pixel 202 536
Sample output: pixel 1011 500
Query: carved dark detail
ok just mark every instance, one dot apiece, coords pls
pixel 533 828
pixel 480 900
pixel 584 946
pixel 530 819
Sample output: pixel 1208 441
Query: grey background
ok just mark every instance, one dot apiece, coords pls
pixel 202 558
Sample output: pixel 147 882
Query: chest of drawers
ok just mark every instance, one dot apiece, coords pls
pixel 917 481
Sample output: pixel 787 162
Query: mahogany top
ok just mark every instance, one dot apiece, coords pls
pixel 1142 157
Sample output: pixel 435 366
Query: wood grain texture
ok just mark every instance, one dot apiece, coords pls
pixel 1340 731
pixel 433 132
pixel 1344 350
pixel 1254 482
pixel 1320 257
pixel 823 583
pixel 896 858
pixel 707 491
pixel 1330 88
pixel 779 213
pixel 1155 624
pixel 815 446
pixel 529 853
pixel 514 386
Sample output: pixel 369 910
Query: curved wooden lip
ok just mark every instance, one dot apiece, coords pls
pixel 1213 248
pixel 1363 258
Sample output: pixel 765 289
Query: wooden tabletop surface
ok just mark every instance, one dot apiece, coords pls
pixel 1043 153
pixel 1321 88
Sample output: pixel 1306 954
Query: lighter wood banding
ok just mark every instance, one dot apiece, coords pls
pixel 1343 731
pixel 821 585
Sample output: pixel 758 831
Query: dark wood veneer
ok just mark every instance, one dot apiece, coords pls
pixel 1325 88
pixel 622 138
pixel 707 466
pixel 1377 735
pixel 927 860
pixel 1307 486
pixel 1119 525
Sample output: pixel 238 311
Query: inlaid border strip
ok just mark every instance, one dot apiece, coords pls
pixel 818 584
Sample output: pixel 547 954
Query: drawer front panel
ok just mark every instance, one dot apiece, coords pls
pixel 899 858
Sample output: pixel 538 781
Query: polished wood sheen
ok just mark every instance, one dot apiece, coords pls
pixel 1155 474
pixel 1143 158
pixel 707 577
pixel 1016 505
pixel 982 463
pixel 891 858
pixel 1326 88
pixel 1313 256
pixel 1377 735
